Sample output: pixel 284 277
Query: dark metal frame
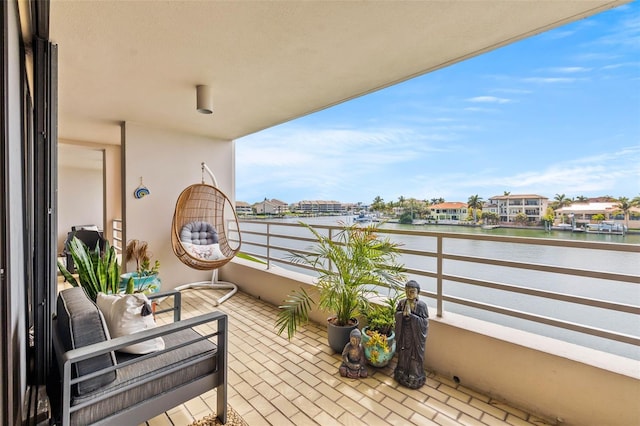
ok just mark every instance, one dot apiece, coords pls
pixel 151 407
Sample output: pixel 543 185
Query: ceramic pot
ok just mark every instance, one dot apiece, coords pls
pixel 377 355
pixel 338 336
pixel 146 284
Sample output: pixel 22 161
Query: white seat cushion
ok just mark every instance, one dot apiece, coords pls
pixel 204 251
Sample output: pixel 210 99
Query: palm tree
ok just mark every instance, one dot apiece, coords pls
pixel 560 201
pixel 624 205
pixel 507 193
pixel 378 204
pixel 582 199
pixel 475 203
pixel 413 206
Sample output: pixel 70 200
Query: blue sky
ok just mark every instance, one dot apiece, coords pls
pixel 558 113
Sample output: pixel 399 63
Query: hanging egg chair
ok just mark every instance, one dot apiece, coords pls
pixel 203 218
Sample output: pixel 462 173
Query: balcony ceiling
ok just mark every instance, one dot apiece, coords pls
pixel 268 62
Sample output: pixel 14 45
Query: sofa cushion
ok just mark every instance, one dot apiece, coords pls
pixel 127 314
pixel 80 324
pixel 143 377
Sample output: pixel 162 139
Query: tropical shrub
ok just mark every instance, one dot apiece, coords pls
pixel 97 272
pixel 351 267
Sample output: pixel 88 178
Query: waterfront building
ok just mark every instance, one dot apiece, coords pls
pixel 271 207
pixel 584 212
pixel 318 207
pixel 449 211
pixel 243 208
pixel 509 206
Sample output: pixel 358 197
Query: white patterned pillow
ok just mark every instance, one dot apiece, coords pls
pixel 126 314
pixel 204 251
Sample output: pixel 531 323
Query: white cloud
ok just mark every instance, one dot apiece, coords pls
pixel 489 99
pixel 545 80
pixel 569 70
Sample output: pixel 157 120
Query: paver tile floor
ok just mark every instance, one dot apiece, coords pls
pixel 274 381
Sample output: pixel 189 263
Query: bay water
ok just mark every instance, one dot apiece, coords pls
pixel 595 260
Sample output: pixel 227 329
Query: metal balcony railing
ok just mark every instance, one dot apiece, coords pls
pixel 585 288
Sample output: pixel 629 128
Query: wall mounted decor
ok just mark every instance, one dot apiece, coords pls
pixel 141 191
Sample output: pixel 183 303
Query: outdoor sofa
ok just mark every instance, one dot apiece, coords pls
pixel 100 385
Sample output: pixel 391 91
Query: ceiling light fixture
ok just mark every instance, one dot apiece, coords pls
pixel 204 99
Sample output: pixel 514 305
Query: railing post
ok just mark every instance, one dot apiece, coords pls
pixel 268 245
pixel 439 276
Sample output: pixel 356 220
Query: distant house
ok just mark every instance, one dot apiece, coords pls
pixel 271 207
pixel 449 211
pixel 280 206
pixel 583 212
pixel 243 208
pixel 509 206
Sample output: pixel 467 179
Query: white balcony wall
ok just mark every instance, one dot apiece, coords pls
pixel 168 162
pixel 558 381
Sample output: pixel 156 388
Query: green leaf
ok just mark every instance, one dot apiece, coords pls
pixel 97 272
pixel 351 266
pixel 130 286
pixel 294 312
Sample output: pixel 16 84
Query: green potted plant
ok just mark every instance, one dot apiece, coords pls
pixel 97 272
pixel 145 277
pixel 351 267
pixel 378 336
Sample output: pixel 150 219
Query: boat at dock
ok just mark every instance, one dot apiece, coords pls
pixel 606 228
pixel 363 218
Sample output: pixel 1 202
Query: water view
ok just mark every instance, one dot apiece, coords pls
pixel 607 261
pixel 629 238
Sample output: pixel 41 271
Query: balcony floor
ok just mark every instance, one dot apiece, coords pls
pixel 276 382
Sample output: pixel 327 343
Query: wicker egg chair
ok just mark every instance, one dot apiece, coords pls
pixel 200 214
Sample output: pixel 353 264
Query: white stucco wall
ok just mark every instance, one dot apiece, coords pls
pixel 172 161
pixel 80 200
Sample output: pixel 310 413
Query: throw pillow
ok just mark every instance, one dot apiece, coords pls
pixel 127 314
pixel 206 252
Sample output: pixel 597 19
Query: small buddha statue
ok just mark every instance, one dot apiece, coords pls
pixel 353 360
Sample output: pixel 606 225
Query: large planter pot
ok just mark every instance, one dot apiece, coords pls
pixel 377 355
pixel 146 284
pixel 338 336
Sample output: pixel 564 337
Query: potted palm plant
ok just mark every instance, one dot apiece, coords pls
pixel 351 268
pixel 145 278
pixel 97 271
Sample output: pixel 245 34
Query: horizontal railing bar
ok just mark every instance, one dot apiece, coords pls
pixel 567 325
pixel 547 294
pixel 439 274
pixel 418 252
pixel 634 279
pixel 421 272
